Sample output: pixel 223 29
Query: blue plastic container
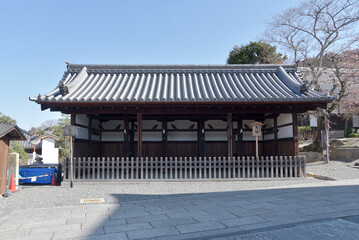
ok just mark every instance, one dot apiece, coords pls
pixel 35 172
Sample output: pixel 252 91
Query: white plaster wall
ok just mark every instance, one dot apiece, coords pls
pixel 181 124
pixel 247 136
pixel 112 124
pixel 269 122
pixel 248 122
pixel 152 136
pixel 96 137
pixel 217 124
pixel 285 132
pixel 82 119
pixel 356 121
pixel 216 136
pixel 82 133
pixel 182 136
pixel 269 136
pixel 284 118
pixel 112 136
pixel 149 124
pixel 95 123
pixel 50 154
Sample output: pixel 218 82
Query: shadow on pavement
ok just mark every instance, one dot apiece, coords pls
pixel 209 215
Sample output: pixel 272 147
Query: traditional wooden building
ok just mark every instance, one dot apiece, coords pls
pixel 7 132
pixel 196 111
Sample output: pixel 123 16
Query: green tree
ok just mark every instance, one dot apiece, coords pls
pixel 16 146
pixel 6 119
pixel 255 52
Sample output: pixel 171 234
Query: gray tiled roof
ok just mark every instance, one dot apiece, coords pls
pixel 181 83
pixel 14 131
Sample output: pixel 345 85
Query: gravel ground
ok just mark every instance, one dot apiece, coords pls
pixel 30 197
pixel 335 169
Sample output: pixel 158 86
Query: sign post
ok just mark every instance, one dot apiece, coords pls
pixel 71 131
pixel 256 132
pixel 34 140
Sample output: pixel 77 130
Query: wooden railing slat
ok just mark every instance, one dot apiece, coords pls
pixel 174 168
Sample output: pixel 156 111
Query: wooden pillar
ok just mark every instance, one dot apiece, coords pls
pixel 164 137
pixel 240 137
pixel 73 122
pixel 275 127
pixel 131 148
pixel 4 154
pixel 200 137
pixel 295 134
pixel 263 149
pixel 139 135
pixel 229 135
pixel 89 145
pixel 126 133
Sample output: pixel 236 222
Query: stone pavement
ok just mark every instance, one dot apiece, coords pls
pixel 330 229
pixel 314 211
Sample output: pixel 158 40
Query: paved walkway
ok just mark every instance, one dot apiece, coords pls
pixel 256 214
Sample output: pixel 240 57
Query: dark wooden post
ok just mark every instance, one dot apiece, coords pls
pixel 229 135
pixel 126 132
pixel 139 135
pixel 72 150
pixel 295 134
pixel 89 145
pixel 4 154
pixel 164 137
pixel 102 150
pixel 240 138
pixel 200 137
pixel 131 148
pixel 275 127
pixel 73 122
pixel 263 146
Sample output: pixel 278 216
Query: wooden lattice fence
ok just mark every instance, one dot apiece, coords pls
pixel 183 168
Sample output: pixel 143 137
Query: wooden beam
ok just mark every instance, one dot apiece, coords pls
pixel 171 118
pixel 295 134
pixel 80 125
pixel 174 109
pixel 273 115
pixel 229 135
pixel 139 135
pixel 164 137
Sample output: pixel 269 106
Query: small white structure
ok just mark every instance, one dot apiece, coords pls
pixel 45 149
pixel 50 154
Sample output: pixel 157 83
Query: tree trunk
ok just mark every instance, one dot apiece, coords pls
pixel 317 143
pixel 316 146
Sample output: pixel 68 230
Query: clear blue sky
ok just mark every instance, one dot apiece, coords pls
pixel 38 36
